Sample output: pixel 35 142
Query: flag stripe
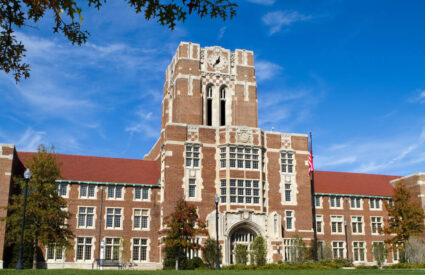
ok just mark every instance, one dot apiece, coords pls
pixel 310 163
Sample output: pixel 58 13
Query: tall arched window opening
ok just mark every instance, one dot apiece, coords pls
pixel 222 105
pixel 209 105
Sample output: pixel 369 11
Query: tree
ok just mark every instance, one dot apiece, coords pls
pixel 405 218
pixel 415 250
pixel 259 251
pixel 209 252
pixel 324 251
pixel 379 252
pixel 181 228
pixel 46 219
pixel 15 14
pixel 241 254
pixel 298 250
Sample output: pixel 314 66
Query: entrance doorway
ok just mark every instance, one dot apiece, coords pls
pixel 241 235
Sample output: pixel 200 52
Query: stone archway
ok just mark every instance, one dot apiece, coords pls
pixel 242 233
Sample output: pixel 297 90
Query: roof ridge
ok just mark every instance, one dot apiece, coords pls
pixel 357 173
pixel 74 155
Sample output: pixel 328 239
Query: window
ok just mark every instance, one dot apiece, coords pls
pixel 140 249
pixel 141 217
pixel 335 202
pixel 375 204
pixel 287 162
pixel 396 253
pixel 54 252
pixel 112 248
pixel 115 192
pixel 222 105
pixel 85 217
pixel 289 220
pixel 87 191
pixel 376 223
pixel 338 250
pixel 336 224
pixel 141 193
pixel 381 247
pixel 318 201
pixel 84 248
pixel 192 155
pixel 357 224
pixel 63 189
pixel 359 251
pixel 113 217
pixel 241 191
pixel 223 157
pixel 223 191
pixel 355 203
pixel 209 105
pixel 192 188
pixel 288 192
pixel 243 157
pixel 319 223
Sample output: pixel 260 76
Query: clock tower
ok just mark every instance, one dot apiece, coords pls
pixel 210 86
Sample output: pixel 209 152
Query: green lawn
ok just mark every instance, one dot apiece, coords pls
pixel 210 272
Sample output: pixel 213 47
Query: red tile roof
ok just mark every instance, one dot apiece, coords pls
pixel 101 169
pixel 353 183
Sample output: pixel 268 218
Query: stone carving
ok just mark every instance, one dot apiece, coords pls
pixel 244 135
pixel 285 141
pixel 192 133
pixel 202 56
pixel 232 60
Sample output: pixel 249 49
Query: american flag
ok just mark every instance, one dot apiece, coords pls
pixel 310 163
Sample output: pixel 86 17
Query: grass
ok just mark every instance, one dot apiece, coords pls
pixel 210 272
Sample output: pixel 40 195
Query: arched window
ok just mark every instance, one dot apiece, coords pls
pixel 222 105
pixel 209 105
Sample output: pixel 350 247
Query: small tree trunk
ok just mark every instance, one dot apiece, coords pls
pixel 34 254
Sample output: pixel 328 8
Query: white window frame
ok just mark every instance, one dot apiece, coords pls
pixel 358 203
pixel 373 254
pixel 292 217
pixel 337 219
pixel 319 218
pixel 336 198
pixel 147 245
pixel 113 227
pixel 142 211
pixel 86 216
pixel 92 243
pixel 142 190
pixel 362 248
pixel 244 189
pixel 113 245
pixel 87 197
pixel 320 200
pixel 52 246
pixel 355 225
pixel 381 224
pixel 189 154
pixel 114 188
pixel 243 157
pixel 374 204
pixel 288 162
pixel 338 248
pixel 59 189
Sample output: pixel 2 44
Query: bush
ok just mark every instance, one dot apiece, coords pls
pixel 367 267
pixel 404 266
pixel 241 254
pixel 259 251
pixel 195 263
pixel 171 258
pixel 325 264
pixel 210 252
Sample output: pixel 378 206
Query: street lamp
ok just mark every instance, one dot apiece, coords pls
pixel 217 259
pixel 27 177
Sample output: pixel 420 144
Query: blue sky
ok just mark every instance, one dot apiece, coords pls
pixel 351 72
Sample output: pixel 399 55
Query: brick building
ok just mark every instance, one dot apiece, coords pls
pixel 209 145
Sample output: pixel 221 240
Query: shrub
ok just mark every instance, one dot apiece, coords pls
pixel 171 258
pixel 210 251
pixel 195 263
pixel 367 267
pixel 259 251
pixel 241 254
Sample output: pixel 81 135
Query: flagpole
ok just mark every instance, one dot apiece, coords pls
pixel 313 202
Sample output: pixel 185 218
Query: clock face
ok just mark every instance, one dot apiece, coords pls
pixel 217 60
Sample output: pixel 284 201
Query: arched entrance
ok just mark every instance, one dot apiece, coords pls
pixel 244 234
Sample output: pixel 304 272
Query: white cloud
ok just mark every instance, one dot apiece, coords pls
pixel 419 97
pixel 262 2
pixel 265 70
pixel 30 140
pixel 278 19
pixel 221 32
